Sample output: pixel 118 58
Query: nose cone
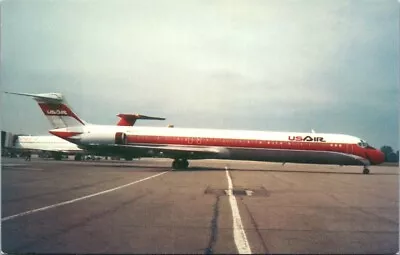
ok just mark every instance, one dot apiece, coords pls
pixel 376 157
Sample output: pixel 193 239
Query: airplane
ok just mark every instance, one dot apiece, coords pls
pixel 58 147
pixel 183 144
pixel 50 144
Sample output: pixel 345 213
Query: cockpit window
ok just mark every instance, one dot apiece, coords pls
pixel 364 144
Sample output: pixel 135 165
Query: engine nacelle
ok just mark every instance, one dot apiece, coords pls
pixel 120 138
pixel 103 138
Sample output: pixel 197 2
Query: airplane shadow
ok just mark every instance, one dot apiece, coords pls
pixel 136 168
pixel 198 168
pixel 279 171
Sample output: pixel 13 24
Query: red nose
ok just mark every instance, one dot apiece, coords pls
pixel 376 156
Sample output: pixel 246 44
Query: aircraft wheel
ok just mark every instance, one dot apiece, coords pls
pixel 185 163
pixel 175 164
pixel 78 157
pixel 180 164
pixel 366 171
pixel 57 156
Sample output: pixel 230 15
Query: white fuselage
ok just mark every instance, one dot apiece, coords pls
pixel 45 143
pixel 105 131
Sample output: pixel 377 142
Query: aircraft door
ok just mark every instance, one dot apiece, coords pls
pixel 349 148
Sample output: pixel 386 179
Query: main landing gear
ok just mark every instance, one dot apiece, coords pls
pixel 180 163
pixel 365 170
pixel 78 157
pixel 128 158
pixel 57 156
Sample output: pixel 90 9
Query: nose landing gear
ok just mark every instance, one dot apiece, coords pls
pixel 365 170
pixel 180 164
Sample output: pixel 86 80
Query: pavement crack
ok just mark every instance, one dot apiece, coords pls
pixel 213 228
pixel 361 209
pixel 374 214
pixel 253 221
pixel 289 183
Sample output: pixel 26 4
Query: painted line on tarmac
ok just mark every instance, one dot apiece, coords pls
pixel 12 165
pixel 242 245
pixel 18 168
pixel 78 199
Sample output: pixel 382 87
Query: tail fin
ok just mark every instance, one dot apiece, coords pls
pixel 130 119
pixel 56 109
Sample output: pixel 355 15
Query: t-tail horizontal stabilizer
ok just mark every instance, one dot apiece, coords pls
pixel 55 108
pixel 130 119
pixel 57 97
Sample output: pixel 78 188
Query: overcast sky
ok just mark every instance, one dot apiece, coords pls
pixel 331 66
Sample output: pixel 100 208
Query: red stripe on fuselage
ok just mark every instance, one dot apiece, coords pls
pixel 245 143
pixel 374 156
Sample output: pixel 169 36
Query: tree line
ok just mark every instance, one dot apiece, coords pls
pixel 390 154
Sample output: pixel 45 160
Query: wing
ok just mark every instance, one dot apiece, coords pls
pixel 58 151
pixel 166 151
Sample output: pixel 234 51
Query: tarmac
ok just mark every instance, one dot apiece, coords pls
pixel 142 206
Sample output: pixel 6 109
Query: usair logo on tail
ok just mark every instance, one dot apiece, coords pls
pixel 307 139
pixel 57 112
